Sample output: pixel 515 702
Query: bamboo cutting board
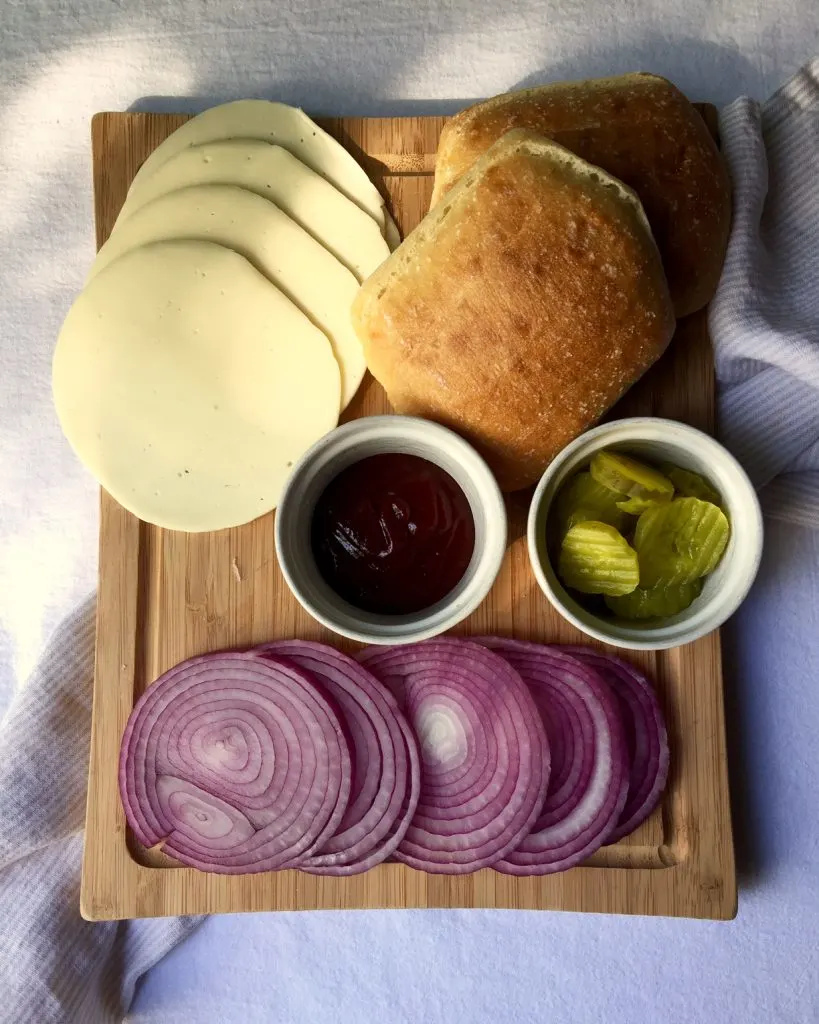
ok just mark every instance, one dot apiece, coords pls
pixel 165 596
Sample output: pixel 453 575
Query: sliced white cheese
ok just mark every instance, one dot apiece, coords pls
pixel 350 234
pixel 257 229
pixel 285 126
pixel 189 385
pixel 392 236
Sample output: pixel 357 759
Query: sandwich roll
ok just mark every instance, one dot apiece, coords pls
pixel 522 306
pixel 641 129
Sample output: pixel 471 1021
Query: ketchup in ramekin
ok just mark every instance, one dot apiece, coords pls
pixel 393 534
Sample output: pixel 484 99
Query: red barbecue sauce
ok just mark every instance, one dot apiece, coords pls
pixel 393 534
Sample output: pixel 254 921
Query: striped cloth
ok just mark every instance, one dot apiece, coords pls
pixel 764 320
pixel 55 967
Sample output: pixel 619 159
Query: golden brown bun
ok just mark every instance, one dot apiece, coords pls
pixel 641 129
pixel 520 308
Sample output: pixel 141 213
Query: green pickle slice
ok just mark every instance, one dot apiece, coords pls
pixel 657 602
pixel 680 541
pixel 596 559
pixel 636 506
pixel 631 478
pixel 691 485
pixel 679 530
pixel 583 499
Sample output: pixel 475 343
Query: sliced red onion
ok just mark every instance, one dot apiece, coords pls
pixel 234 763
pixel 583 724
pixel 201 814
pixel 484 752
pixel 646 736
pixel 385 775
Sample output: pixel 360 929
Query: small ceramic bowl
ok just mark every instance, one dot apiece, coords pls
pixel 658 440
pixel 358 440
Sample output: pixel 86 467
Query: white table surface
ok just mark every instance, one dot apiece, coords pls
pixel 60 62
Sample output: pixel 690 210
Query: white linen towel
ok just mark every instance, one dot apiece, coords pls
pixel 54 967
pixel 764 321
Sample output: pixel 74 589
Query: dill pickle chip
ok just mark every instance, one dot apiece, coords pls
pixel 654 542
pixel 636 506
pixel 583 499
pixel 628 476
pixel 596 559
pixel 705 536
pixel 691 485
pixel 681 541
pixel 657 602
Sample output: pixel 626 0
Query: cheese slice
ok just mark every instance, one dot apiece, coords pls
pixel 189 385
pixel 285 126
pixel 343 228
pixel 392 236
pixel 285 253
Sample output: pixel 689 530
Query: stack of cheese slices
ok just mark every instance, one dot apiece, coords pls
pixel 212 343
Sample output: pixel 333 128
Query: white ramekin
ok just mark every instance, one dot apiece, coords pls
pixel 660 441
pixel 373 435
